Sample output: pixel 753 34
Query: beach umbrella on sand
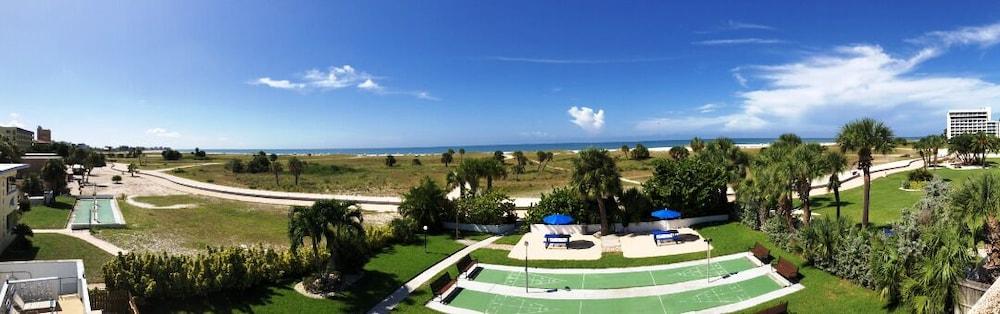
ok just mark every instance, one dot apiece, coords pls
pixel 666 214
pixel 557 219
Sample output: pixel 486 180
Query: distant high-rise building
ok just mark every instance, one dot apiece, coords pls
pixel 972 121
pixel 22 138
pixel 44 136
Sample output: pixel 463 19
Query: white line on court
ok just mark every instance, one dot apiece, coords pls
pixel 616 270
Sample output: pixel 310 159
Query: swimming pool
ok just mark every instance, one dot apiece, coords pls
pixel 106 214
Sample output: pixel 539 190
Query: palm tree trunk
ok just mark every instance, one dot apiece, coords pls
pixel 992 243
pixel 836 198
pixel 867 200
pixel 489 183
pixel 604 216
pixel 296 179
pixel 806 205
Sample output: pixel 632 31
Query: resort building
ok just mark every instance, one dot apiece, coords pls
pixel 8 203
pixel 44 286
pixel 22 138
pixel 43 136
pixel 972 121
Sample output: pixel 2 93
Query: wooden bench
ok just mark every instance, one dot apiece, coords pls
pixel 761 253
pixel 787 269
pixel 441 285
pixel 466 265
pixel 781 308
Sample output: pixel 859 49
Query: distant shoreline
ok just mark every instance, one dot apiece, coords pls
pixel 659 145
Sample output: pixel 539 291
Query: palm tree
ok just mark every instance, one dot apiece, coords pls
pixel 296 166
pixel 808 164
pixel 470 171
pixel 865 137
pixel 542 157
pixel 697 144
pixel 454 181
pixel 835 163
pixel 277 168
pixel 624 150
pixel 446 158
pixel 982 144
pixel 425 203
pixel 978 201
pixel 596 177
pixel 519 161
pixel 132 168
pixel 934 144
pixel 338 222
pixel 678 152
pixel 493 169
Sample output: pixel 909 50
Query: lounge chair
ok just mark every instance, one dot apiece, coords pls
pixel 47 306
pixel 660 236
pixel 556 239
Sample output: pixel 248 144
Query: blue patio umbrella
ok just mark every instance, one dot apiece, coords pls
pixel 666 213
pixel 557 219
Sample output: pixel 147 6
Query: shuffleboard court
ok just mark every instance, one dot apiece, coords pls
pixel 614 280
pixel 680 302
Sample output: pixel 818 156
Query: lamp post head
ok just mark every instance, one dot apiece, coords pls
pixel 525 243
pixel 425 228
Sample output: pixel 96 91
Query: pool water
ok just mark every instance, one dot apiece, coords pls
pixel 84 207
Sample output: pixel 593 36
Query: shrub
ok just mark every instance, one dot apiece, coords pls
pixel 259 163
pixel 21 233
pixel 170 154
pixel 563 200
pixel 489 208
pixel 32 185
pixel 692 186
pixel 778 231
pixel 378 236
pixel 920 174
pixel 390 161
pixel 416 162
pixel 235 269
pixel 116 178
pixel 405 229
pixel 640 152
pixel 426 204
pixel 235 166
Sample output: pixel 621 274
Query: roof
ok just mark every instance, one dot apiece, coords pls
pixel 9 167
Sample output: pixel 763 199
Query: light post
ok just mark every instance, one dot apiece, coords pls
pixel 425 239
pixel 525 266
pixel 708 272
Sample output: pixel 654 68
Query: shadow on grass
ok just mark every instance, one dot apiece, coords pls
pixel 241 302
pixel 828 201
pixel 19 254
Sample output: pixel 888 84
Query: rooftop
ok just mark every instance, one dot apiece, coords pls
pixel 9 167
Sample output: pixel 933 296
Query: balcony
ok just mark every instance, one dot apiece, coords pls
pixel 56 286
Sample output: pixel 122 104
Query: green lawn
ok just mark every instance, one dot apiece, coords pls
pixel 823 290
pixel 213 221
pixel 49 217
pixel 383 274
pixel 886 198
pixel 57 246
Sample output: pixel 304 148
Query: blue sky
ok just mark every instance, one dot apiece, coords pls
pixel 247 74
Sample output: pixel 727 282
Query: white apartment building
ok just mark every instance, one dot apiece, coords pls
pixel 8 202
pixel 972 121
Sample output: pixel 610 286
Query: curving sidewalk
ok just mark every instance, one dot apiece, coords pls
pixel 400 294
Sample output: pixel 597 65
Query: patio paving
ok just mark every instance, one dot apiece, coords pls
pixel 642 245
pixel 581 247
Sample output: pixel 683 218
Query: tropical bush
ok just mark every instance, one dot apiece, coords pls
pixel 691 186
pixel 116 178
pixel 260 163
pixel 427 204
pixel 640 152
pixel 635 207
pixel 378 237
pixel 488 208
pixel 920 174
pixel 32 185
pixel 170 154
pixel 405 229
pixel 235 165
pixel 234 269
pixel 563 200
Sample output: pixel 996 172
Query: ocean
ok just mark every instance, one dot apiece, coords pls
pixel 484 148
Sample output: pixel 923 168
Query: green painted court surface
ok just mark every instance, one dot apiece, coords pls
pixel 680 302
pixel 615 280
pixel 105 214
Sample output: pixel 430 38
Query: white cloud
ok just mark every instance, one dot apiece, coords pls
pixel 280 84
pixel 739 41
pixel 369 85
pixel 735 25
pixel 587 119
pixel 982 36
pixel 15 120
pixel 577 61
pixel 824 90
pixel 706 108
pixel 337 78
pixel 161 132
pixel 535 134
pixel 739 78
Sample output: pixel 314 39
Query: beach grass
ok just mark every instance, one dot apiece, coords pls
pixel 54 216
pixel 47 246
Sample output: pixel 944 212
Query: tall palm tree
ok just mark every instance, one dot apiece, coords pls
pixel 934 144
pixel 835 163
pixel 306 222
pixel 866 136
pixel 982 144
pixel 596 177
pixel 493 168
pixel 455 181
pixel 461 154
pixel 808 165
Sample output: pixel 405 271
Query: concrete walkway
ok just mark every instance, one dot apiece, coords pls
pixel 86 236
pixel 400 294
